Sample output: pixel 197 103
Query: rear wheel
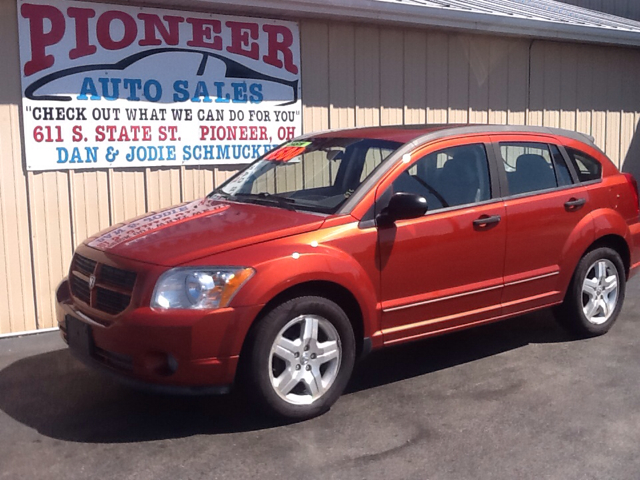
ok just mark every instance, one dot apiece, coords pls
pixel 299 358
pixel 596 294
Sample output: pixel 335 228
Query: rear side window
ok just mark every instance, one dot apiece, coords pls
pixel 587 167
pixel 529 167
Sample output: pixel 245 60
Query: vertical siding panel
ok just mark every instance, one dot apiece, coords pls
pixel 459 79
pixel 391 77
pixel 163 188
pixel 536 85
pixel 17 308
pixel 614 105
pixel 89 203
pixel 38 243
pixel 342 90
pixel 315 82
pixel 479 71
pixel 367 51
pixel 314 75
pixel 196 182
pixel 58 241
pixel 518 87
pixel 498 81
pixel 568 87
pixel 584 90
pixel 552 71
pixel 437 78
pixel 415 79
pixel 128 194
pixel 598 65
pixel 631 95
pixel 5 309
pixel 208 180
pixel 51 237
pixel 189 183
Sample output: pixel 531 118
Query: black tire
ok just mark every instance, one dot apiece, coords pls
pixel 570 314
pixel 255 375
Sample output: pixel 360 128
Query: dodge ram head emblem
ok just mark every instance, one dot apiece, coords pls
pixel 92 282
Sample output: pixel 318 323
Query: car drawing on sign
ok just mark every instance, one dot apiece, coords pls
pixel 192 63
pixel 339 243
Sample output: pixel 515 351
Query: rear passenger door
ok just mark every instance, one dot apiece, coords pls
pixel 544 206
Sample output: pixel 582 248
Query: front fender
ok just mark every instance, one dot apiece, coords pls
pixel 286 268
pixel 342 255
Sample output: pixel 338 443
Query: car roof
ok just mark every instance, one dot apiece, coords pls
pixel 413 136
pixel 392 133
pixel 419 134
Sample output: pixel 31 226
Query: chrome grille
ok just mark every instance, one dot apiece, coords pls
pixel 80 289
pixel 111 302
pixel 117 278
pixel 83 264
pixel 113 286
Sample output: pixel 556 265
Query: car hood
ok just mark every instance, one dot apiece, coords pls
pixel 204 227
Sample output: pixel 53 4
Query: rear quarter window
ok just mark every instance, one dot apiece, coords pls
pixel 587 167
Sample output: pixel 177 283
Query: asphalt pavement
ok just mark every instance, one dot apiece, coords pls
pixel 520 399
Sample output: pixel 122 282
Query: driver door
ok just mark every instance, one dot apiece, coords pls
pixel 443 270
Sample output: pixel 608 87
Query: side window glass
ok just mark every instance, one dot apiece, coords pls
pixel 588 168
pixel 447 178
pixel 529 167
pixel 562 171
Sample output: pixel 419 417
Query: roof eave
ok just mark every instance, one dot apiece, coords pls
pixel 419 16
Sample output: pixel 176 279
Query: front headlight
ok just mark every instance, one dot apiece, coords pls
pixel 199 287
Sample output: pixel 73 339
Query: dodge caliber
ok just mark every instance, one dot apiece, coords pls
pixel 340 243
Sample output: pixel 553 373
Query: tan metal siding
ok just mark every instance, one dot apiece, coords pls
pixel 351 75
pixel 391 77
pixel 17 309
pixel 367 71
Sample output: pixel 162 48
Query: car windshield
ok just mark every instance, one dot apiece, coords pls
pixel 315 174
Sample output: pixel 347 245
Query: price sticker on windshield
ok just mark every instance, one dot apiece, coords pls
pixel 287 151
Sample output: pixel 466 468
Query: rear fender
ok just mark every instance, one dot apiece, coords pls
pixel 582 236
pixel 598 224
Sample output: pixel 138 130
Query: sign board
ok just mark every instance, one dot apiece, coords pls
pixel 107 86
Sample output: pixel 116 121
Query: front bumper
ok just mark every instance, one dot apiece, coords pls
pixel 186 352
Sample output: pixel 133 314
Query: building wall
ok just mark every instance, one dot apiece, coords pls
pixel 351 76
pixel 622 8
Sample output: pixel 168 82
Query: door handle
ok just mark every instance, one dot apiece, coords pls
pixel 575 204
pixel 485 222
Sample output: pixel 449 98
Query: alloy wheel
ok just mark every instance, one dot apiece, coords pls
pixel 600 291
pixel 305 359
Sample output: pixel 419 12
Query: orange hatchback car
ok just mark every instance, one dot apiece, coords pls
pixel 342 242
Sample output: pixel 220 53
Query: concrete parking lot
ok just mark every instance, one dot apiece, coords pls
pixel 519 399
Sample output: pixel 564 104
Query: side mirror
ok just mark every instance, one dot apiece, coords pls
pixel 402 206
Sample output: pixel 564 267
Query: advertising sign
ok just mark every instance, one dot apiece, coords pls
pixel 108 86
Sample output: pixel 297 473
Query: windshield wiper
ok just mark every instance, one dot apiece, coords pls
pixel 264 197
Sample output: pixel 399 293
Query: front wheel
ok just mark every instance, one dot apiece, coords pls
pixel 299 358
pixel 596 294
